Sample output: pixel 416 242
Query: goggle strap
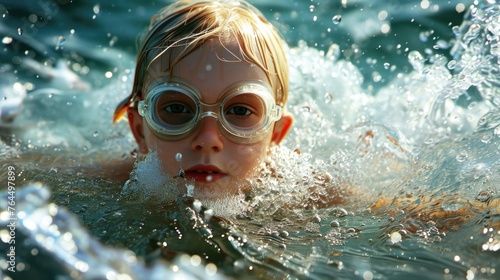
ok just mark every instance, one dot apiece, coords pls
pixel 277 112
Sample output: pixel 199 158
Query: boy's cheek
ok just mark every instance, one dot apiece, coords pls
pixel 252 153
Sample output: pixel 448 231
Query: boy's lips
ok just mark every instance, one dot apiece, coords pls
pixel 204 173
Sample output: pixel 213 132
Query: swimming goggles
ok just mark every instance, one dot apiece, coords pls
pixel 244 112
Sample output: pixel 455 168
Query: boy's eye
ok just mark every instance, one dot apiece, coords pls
pixel 176 108
pixel 239 111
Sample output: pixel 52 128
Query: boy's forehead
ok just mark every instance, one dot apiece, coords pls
pixel 212 66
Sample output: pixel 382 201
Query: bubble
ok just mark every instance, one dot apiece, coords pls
pixel 396 237
pixel 336 19
pixel 338 212
pixel 367 275
pixel 311 8
pixel 20 31
pixel 334 223
pixel 95 134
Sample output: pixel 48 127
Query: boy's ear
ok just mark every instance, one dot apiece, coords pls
pixel 135 123
pixel 281 128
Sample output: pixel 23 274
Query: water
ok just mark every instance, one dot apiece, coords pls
pixel 398 176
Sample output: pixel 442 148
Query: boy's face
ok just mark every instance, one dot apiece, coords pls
pixel 215 163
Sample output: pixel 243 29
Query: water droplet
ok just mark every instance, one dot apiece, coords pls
pixel 452 64
pixel 316 219
pixel 209 178
pixel 416 60
pixel 95 134
pixel 189 189
pixel 209 213
pixel 197 205
pixel 462 156
pixel 333 52
pixel 113 41
pixel 483 196
pixel 497 131
pixel 20 31
pixel 486 138
pixel 96 9
pixel 336 19
pixel 108 74
pixel 60 42
pixel 178 157
pixel 306 110
pixel 328 97
pixel 7 40
pixel 181 173
pixel 472 105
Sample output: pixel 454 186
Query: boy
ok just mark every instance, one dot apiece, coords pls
pixel 209 92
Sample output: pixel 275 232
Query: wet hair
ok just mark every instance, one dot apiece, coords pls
pixel 180 28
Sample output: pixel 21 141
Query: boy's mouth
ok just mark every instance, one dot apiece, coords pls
pixel 204 173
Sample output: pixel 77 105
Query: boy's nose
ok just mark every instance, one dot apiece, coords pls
pixel 208 136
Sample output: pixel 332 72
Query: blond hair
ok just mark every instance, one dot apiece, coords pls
pixel 188 24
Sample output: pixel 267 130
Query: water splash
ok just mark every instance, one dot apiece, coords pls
pixel 149 182
pixel 71 252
